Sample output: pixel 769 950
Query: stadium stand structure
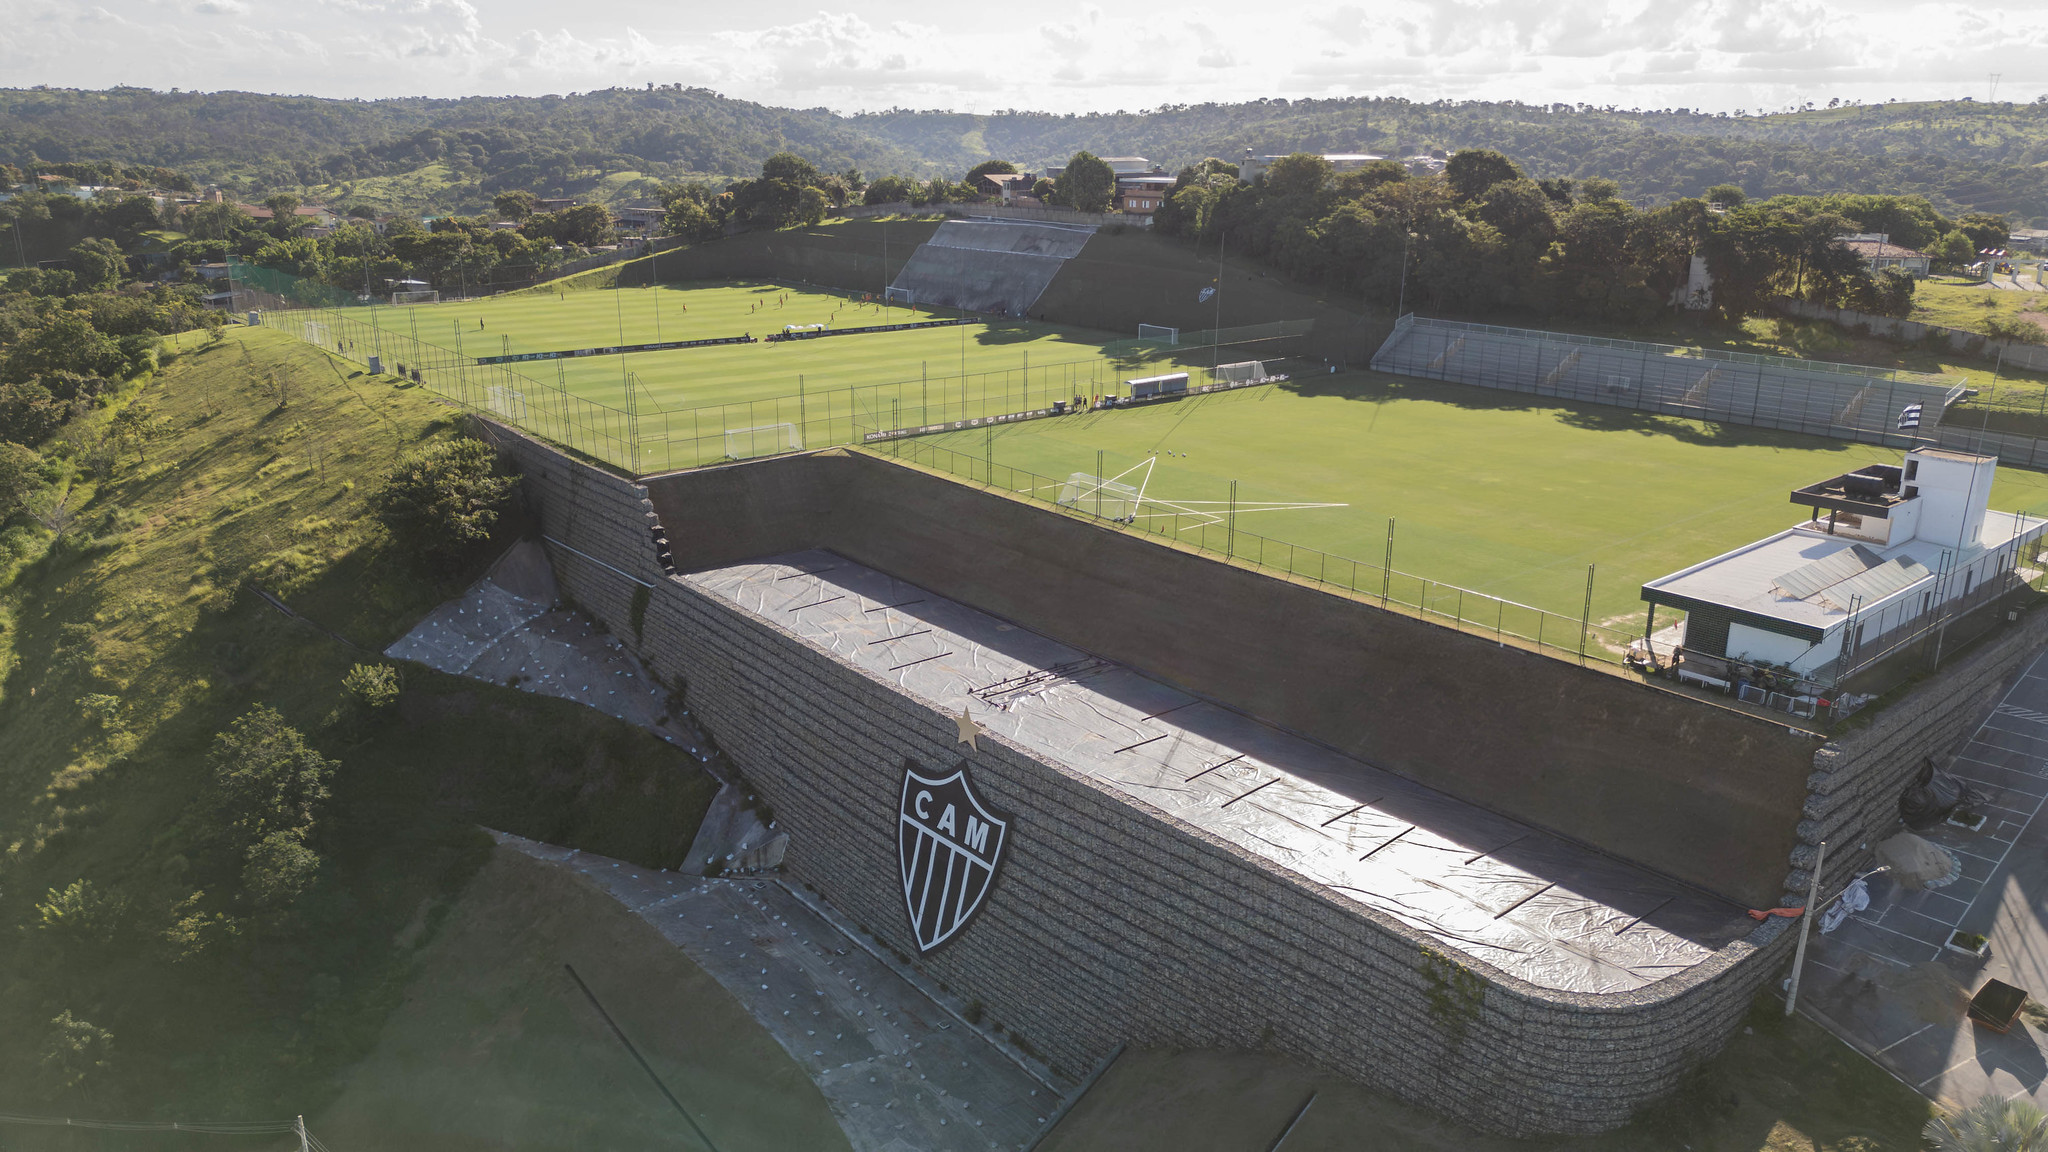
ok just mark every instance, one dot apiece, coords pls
pixel 991 266
pixel 1842 400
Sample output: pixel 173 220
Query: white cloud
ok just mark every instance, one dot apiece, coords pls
pixel 1712 54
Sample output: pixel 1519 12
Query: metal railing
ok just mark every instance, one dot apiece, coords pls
pixel 1216 533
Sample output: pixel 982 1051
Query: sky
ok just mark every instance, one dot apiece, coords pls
pixel 1716 55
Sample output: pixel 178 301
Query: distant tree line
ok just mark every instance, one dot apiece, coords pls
pixel 1483 237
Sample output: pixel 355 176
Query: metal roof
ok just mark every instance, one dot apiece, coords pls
pixel 1808 579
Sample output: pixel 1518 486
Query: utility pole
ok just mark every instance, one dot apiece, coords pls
pixel 1805 926
pixel 1401 301
pixel 299 1128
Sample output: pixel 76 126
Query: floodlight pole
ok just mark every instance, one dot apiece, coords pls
pixel 1216 338
pixel 1401 300
pixel 1805 926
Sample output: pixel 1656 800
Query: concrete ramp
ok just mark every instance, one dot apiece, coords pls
pixel 988 265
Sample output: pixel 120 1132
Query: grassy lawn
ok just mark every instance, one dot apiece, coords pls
pixel 217 1009
pixel 496 1047
pixel 1955 302
pixel 1502 493
pixel 1779 1086
pixel 541 320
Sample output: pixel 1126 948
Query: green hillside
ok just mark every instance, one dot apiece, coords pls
pixel 142 971
pixel 1961 155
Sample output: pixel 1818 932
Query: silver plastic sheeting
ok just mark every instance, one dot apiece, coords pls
pixel 1531 904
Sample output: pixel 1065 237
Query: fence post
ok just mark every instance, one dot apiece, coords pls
pixel 1586 615
pixel 1230 530
pixel 1387 568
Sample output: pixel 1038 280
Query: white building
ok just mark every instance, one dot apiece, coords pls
pixel 1252 167
pixel 1888 552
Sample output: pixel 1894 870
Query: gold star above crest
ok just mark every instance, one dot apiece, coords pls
pixel 968 729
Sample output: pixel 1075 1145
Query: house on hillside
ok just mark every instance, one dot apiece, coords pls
pixel 638 218
pixel 1005 186
pixel 1141 195
pixel 555 204
pixel 1888 553
pixel 308 216
pixel 1879 252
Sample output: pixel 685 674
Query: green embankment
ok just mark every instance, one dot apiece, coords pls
pixel 217 1009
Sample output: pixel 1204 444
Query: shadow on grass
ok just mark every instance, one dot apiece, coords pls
pixel 1373 387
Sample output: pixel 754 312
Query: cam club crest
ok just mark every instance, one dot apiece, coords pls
pixel 950 845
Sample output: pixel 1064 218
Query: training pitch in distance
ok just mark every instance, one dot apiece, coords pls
pixel 545 321
pixel 1504 494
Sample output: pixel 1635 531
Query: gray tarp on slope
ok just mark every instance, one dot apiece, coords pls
pixel 988 266
pixel 1531 904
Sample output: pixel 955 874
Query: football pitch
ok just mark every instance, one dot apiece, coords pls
pixel 997 359
pixel 1499 493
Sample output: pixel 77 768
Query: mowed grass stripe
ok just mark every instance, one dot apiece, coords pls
pixel 1508 495
pixel 704 377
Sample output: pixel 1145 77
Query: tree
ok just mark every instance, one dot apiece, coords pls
pixel 786 195
pixel 1301 175
pixel 266 779
pixel 585 224
pixel 988 168
pixel 374 686
pixel 1984 229
pixel 29 413
pixel 1472 171
pixel 443 502
pixel 74 1053
pixel 20 474
pixel 279 869
pixel 1087 185
pixel 66 342
pixel 219 221
pixel 135 427
pixel 515 205
pixel 284 214
pixel 1992 1124
pixel 889 190
pixel 97 263
pixel 1726 196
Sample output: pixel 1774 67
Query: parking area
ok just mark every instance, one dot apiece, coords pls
pixel 1889 982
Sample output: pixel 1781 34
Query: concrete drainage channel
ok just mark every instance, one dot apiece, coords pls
pixel 900 1066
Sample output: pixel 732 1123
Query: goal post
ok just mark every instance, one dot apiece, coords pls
pixel 1159 332
pixel 1239 372
pixel 427 296
pixel 762 440
pixel 901 296
pixel 1085 492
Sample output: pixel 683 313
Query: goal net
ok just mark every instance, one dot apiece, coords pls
pixel 316 333
pixel 1159 332
pixel 1236 373
pixel 898 296
pixel 1084 492
pixel 426 296
pixel 507 402
pixel 762 440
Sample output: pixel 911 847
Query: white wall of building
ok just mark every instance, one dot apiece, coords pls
pixel 1761 647
pixel 1953 494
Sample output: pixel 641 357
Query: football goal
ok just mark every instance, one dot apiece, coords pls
pixel 899 296
pixel 1159 332
pixel 422 296
pixel 1092 494
pixel 1239 372
pixel 762 440
pixel 507 402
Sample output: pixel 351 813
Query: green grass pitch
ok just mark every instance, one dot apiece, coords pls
pixel 695 378
pixel 1500 493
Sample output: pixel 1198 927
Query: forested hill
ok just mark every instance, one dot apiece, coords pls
pixel 455 154
pixel 1960 155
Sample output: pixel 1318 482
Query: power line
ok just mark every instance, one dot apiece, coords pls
pixel 644 1066
pixel 203 1127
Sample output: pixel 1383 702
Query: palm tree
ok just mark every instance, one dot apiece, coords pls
pixel 1991 1124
